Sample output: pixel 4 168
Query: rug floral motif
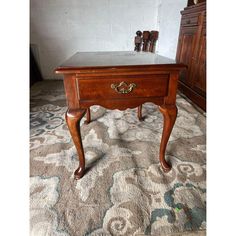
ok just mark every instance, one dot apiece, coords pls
pixel 124 191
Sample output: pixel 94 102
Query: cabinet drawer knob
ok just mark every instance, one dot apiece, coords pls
pixel 123 87
pixel 188 21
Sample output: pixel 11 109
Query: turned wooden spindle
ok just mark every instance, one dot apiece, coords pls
pixel 138 41
pixel 146 41
pixel 153 39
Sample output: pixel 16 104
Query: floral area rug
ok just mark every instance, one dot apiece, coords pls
pixel 124 191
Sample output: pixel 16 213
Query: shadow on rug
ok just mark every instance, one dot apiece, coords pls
pixel 124 191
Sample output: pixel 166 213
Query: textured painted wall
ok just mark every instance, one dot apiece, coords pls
pixel 60 28
pixel 169 23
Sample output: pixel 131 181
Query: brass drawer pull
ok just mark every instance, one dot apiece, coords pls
pixel 123 87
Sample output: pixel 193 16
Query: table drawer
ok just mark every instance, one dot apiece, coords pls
pixel 117 87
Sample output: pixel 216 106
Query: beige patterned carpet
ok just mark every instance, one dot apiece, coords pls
pixel 124 191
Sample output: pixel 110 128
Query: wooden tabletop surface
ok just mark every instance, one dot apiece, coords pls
pixel 114 59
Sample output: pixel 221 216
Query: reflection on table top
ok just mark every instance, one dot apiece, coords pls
pixel 115 59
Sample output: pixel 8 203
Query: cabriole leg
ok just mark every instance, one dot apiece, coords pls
pixel 73 118
pixel 140 113
pixel 169 115
pixel 88 116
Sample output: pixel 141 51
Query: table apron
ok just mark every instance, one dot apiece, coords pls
pixel 121 104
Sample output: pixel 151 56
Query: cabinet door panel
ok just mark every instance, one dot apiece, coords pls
pixel 187 42
pixel 199 81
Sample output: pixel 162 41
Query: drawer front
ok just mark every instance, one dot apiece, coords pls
pixel 189 20
pixel 117 87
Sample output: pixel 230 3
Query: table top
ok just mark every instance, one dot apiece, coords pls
pixel 114 59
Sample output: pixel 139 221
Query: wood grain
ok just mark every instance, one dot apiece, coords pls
pixel 91 85
pixel 73 118
pixel 192 52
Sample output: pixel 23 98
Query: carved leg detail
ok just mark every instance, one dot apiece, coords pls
pixel 140 113
pixel 88 116
pixel 73 119
pixel 169 114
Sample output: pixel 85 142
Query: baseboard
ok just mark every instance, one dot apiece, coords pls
pixel 192 95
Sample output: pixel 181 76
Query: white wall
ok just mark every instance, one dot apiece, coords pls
pixel 169 24
pixel 59 28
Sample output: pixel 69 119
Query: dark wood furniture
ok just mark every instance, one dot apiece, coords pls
pixel 192 52
pixel 119 80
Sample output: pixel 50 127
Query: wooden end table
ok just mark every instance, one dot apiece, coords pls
pixel 119 80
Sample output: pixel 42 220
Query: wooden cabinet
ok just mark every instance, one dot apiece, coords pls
pixel 192 52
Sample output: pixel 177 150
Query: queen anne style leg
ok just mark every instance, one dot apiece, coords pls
pixel 88 116
pixel 140 113
pixel 169 115
pixel 73 118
